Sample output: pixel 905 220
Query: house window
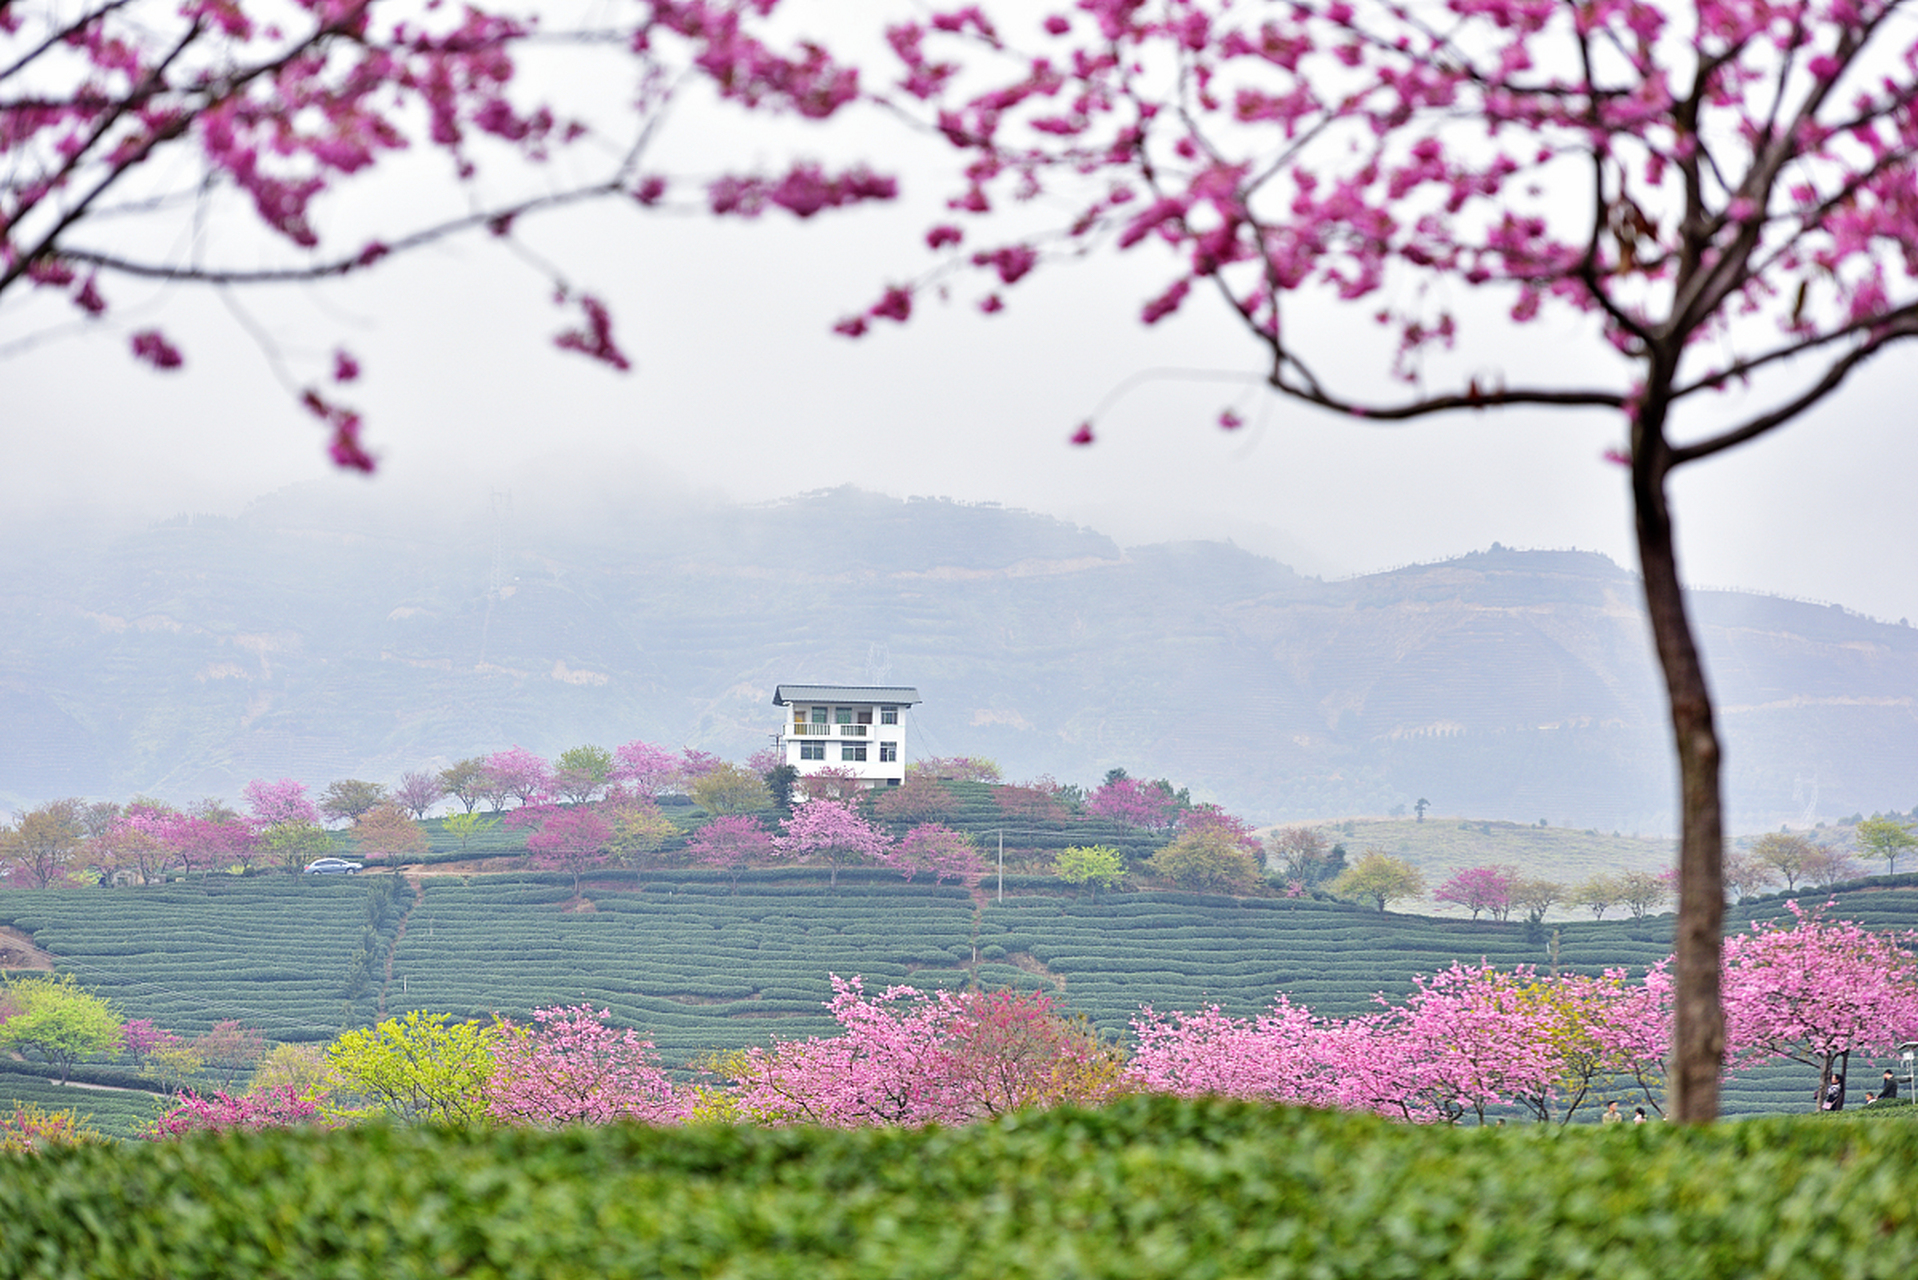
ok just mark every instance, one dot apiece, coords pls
pixel 851 750
pixel 819 715
pixel 842 715
pixel 865 715
pixel 888 752
pixel 812 751
pixel 889 715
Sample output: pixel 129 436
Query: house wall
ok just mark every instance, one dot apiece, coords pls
pixel 848 728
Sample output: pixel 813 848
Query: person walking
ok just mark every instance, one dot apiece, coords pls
pixel 1611 1115
pixel 1638 1115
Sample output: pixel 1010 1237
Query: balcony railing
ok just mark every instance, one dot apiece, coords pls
pixel 852 730
pixel 812 731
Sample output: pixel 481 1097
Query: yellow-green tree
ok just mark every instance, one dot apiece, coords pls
pixel 1207 859
pixel 58 1019
pixel 727 788
pixel 300 1067
pixel 1885 838
pixel 1378 877
pixel 422 1067
pixel 1098 865
pixel 464 826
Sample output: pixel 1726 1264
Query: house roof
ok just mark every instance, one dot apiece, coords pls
pixel 895 694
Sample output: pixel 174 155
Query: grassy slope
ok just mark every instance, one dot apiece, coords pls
pixel 700 967
pixel 1440 846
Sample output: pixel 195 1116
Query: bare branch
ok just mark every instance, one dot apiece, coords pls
pixel 1835 376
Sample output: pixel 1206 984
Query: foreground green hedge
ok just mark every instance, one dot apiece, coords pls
pixel 1149 1187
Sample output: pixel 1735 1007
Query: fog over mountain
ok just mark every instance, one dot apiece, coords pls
pixel 323 634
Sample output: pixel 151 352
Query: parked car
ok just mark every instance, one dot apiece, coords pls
pixel 331 867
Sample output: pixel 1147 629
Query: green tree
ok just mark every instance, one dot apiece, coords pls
pixel 1788 854
pixel 1098 865
pixel 1885 838
pixel 464 826
pixel 462 781
pixel 1380 878
pixel 581 774
pixel 347 799
pixel 1206 859
pixel 58 1019
pixel 294 844
pixel 727 788
pixel 780 780
pixel 422 1067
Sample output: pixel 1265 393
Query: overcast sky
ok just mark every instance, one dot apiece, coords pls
pixel 741 387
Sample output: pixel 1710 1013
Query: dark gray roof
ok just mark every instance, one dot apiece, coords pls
pixel 890 693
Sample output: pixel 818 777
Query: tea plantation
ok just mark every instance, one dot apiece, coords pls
pixel 698 965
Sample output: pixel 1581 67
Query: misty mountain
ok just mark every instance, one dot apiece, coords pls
pixel 326 633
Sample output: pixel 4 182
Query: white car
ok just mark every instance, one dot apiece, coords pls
pixel 331 867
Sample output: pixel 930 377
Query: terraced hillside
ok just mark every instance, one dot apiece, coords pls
pixel 701 967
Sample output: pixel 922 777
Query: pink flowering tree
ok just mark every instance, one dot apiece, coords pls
pixel 139 840
pixel 649 770
pixel 1481 889
pixel 283 801
pixel 1283 1055
pixel 695 764
pixel 1817 990
pixel 939 851
pixel 731 843
pixel 277 1108
pixel 141 1036
pixel 1131 803
pixel 1708 197
pixel 569 1067
pixel 152 120
pixel 516 773
pixel 558 839
pixel 832 832
pixel 909 1057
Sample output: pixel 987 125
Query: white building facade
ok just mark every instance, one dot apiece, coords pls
pixel 857 728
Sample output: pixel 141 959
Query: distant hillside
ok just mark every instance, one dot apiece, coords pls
pixel 328 632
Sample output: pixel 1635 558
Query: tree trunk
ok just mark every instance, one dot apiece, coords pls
pixel 1698 1037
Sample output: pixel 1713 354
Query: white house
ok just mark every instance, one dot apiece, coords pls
pixel 861 728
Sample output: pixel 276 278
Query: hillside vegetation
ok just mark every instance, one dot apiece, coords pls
pixel 700 967
pixel 1144 1189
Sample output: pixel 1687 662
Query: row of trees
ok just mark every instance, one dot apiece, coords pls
pixel 827 831
pixel 1467 1040
pixel 1472 1038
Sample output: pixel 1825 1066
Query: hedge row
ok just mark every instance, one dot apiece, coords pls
pixel 1147 1188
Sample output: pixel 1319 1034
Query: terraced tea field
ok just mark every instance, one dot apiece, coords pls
pixel 699 967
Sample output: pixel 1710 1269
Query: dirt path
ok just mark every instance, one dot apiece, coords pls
pixel 17 951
